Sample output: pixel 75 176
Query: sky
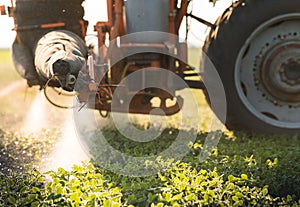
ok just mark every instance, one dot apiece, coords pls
pixel 95 10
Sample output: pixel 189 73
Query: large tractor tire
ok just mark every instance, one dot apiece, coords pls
pixel 255 48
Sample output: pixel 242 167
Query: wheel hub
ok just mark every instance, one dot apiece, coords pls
pixel 280 72
pixel 291 72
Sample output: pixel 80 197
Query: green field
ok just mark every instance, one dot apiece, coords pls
pixel 7 72
pixel 244 169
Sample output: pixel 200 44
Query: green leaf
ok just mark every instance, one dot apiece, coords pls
pixel 57 196
pixel 206 197
pixel 230 185
pixel 211 193
pixel 176 180
pixel 106 203
pixel 198 180
pixel 75 197
pixel 177 197
pixel 35 190
pixel 182 186
pixel 115 190
pixel 103 194
pixel 191 197
pixel 215 174
pixel 239 194
pixel 160 205
pixel 235 198
pixel 24 189
pixel 116 205
pixel 265 191
pixel 203 172
pixel 11 200
pixel 31 197
pixel 231 178
pixel 168 196
pixel 276 161
pixel 35 204
pixel 244 176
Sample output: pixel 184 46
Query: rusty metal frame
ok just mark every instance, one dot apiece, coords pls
pixel 114 26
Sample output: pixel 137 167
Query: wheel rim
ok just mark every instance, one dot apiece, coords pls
pixel 267 72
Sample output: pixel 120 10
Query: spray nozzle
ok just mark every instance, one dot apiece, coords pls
pixel 70 79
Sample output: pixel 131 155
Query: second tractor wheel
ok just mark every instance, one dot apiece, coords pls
pixel 255 48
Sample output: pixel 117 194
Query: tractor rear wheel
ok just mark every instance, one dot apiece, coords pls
pixel 255 48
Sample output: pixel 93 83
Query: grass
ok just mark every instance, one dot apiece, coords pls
pixel 13 103
pixel 244 170
pixel 5 56
pixel 7 71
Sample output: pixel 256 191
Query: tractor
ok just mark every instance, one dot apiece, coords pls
pixel 254 46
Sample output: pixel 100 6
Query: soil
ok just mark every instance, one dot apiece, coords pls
pixel 20 143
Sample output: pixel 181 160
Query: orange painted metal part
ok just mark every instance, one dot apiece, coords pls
pixel 115 28
pixel 83 25
pixel 2 10
pixel 182 12
pixel 100 95
pixel 115 23
pixel 136 105
pixel 109 4
pixel 53 25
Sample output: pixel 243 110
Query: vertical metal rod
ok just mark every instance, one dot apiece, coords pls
pixel 91 67
pixel 117 12
pixel 172 14
pixel 109 12
pixel 182 12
